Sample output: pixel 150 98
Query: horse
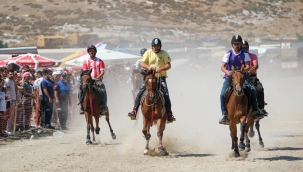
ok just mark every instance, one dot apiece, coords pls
pixel 136 82
pixel 239 111
pixel 153 110
pixel 91 106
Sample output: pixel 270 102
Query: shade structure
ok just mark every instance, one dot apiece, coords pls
pixel 77 54
pixel 109 57
pixel 33 61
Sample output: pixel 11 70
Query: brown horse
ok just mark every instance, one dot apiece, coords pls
pixel 153 110
pixel 239 111
pixel 136 82
pixel 91 106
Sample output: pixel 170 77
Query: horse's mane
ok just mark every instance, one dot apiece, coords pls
pixel 84 72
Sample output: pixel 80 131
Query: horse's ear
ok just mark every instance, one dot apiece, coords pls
pixel 232 68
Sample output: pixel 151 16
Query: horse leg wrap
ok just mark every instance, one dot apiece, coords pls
pixel 160 134
pixel 146 135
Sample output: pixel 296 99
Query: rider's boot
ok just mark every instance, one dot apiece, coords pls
pixel 224 120
pixel 104 108
pixel 257 115
pixel 170 116
pixel 264 112
pixel 133 113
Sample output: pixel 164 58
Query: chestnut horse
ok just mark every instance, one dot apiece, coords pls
pixel 91 106
pixel 153 110
pixel 239 111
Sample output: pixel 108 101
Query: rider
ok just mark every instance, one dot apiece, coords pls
pixel 97 66
pixel 138 67
pixel 252 76
pixel 158 60
pixel 236 57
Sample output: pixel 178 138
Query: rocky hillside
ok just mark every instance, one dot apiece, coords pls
pixel 135 20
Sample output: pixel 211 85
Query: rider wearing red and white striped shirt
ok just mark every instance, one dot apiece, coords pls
pixel 97 66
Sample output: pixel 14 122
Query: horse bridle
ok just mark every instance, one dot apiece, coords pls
pixel 157 95
pixel 235 84
pixel 88 84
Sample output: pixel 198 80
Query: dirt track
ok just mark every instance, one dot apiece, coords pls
pixel 195 141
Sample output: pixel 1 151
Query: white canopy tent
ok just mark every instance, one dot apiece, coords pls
pixel 108 56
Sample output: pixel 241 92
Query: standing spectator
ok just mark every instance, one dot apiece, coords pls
pixel 62 95
pixel 47 98
pixel 2 97
pixel 25 83
pixel 55 79
pixel 38 95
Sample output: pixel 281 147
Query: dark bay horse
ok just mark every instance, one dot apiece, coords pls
pixel 136 82
pixel 91 106
pixel 239 111
pixel 153 110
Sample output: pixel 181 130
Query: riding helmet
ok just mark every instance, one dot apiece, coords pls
pixel 91 47
pixel 236 39
pixel 245 43
pixel 156 42
pixel 142 51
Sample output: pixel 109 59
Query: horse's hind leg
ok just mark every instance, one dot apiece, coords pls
pixel 96 116
pixel 251 133
pixel 259 134
pixel 110 128
pixel 247 144
pixel 242 128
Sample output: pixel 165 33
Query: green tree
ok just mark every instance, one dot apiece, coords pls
pixel 3 45
pixel 299 37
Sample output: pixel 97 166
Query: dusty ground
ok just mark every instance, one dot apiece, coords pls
pixel 195 141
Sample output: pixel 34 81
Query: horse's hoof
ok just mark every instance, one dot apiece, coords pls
pixel 88 142
pixel 241 146
pixel 247 149
pixel 161 149
pixel 97 130
pixel 237 154
pixel 114 136
pixel 251 134
pixel 261 144
pixel 145 152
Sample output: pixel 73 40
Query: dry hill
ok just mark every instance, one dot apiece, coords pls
pixel 135 20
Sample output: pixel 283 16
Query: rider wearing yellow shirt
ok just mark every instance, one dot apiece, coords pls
pixel 158 60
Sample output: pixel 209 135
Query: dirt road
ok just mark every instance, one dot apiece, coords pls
pixel 195 141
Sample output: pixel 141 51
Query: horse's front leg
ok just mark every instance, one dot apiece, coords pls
pixel 88 141
pixel 242 128
pixel 259 134
pixel 161 127
pixel 146 134
pixel 234 138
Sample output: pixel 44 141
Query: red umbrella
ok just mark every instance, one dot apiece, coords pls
pixel 2 63
pixel 33 61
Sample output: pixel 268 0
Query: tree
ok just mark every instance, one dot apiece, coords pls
pixel 3 45
pixel 299 37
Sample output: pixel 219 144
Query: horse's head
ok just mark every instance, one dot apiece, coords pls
pixel 150 82
pixel 86 79
pixel 238 80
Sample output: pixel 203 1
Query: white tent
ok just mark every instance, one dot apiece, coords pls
pixel 108 56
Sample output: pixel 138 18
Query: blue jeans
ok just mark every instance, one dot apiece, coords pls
pixel 249 86
pixel 222 100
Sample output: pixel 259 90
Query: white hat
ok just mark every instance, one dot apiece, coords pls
pixel 56 73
